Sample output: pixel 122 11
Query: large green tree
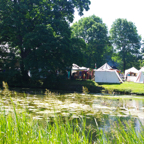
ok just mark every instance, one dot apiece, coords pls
pixel 126 42
pixel 94 32
pixel 39 31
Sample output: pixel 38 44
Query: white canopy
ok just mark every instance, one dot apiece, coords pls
pixel 107 76
pixel 75 67
pixel 104 67
pixel 83 68
pixel 133 70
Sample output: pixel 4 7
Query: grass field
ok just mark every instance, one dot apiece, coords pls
pixel 93 87
pixel 126 87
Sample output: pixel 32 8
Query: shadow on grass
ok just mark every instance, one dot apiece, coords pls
pixel 76 85
pixel 109 83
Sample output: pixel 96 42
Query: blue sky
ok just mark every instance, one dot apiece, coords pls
pixel 109 10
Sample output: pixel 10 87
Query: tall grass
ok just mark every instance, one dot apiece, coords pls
pixel 123 133
pixel 21 128
pixel 16 127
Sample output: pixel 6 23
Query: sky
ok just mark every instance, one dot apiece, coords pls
pixel 110 10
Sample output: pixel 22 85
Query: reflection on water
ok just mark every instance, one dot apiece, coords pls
pixel 127 108
pixel 100 110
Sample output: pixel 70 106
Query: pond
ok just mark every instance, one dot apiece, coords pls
pixel 100 110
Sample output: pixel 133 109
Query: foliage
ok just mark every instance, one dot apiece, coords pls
pixel 39 34
pixel 126 41
pixel 78 49
pixel 94 32
pixel 141 63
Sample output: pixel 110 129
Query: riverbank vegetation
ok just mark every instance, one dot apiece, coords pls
pixel 93 87
pixel 54 118
pixel 21 128
pixel 67 86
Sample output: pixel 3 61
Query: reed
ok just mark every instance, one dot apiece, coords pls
pixel 21 127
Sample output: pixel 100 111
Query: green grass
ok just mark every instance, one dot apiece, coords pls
pixel 93 87
pixel 126 87
pixel 21 128
pixel 67 86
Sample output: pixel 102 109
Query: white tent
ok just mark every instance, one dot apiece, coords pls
pixel 131 70
pixel 107 76
pixel 83 68
pixel 132 77
pixel 140 77
pixel 142 69
pixel 75 67
pixel 105 67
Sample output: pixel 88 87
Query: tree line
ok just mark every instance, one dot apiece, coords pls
pixel 36 35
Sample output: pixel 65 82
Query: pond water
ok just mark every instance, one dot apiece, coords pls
pixel 98 109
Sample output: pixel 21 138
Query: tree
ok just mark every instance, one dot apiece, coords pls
pixel 126 41
pixel 39 30
pixel 78 48
pixel 94 32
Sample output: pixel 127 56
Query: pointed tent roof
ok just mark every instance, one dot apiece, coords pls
pixel 76 67
pixel 104 67
pixel 83 68
pixel 142 69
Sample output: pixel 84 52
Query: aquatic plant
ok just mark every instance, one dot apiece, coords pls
pixel 6 91
pixel 49 93
pixel 85 90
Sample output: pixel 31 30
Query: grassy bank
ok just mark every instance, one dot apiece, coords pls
pixel 124 88
pixel 93 87
pixel 63 86
pixel 76 85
